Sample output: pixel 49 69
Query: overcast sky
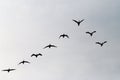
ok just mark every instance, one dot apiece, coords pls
pixel 26 26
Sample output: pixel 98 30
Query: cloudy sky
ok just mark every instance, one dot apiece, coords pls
pixel 26 26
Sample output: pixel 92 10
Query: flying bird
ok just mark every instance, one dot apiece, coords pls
pixel 8 70
pixel 50 46
pixel 101 43
pixel 36 55
pixel 78 22
pixel 23 62
pixel 64 35
pixel 91 33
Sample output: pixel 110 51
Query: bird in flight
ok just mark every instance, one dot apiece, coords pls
pixel 50 46
pixel 36 55
pixel 101 43
pixel 64 35
pixel 91 33
pixel 78 22
pixel 8 70
pixel 23 62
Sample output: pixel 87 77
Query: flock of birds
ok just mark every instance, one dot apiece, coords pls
pixel 50 45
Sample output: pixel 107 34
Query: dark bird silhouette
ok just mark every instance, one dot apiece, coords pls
pixel 101 43
pixel 36 55
pixel 64 35
pixel 8 70
pixel 78 22
pixel 50 46
pixel 91 33
pixel 23 62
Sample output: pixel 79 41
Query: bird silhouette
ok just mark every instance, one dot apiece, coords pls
pixel 50 46
pixel 101 43
pixel 78 22
pixel 23 62
pixel 91 33
pixel 36 55
pixel 64 35
pixel 8 70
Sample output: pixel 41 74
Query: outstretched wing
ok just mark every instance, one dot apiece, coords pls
pixel 12 69
pixel 8 70
pixel 60 36
pixel 45 47
pixel 67 36
pixel 98 43
pixel 88 33
pixel 5 70
pixel 26 61
pixel 93 32
pixel 104 42
pixel 82 20
pixel 40 54
pixel 53 46
pixel 20 62
pixel 32 55
pixel 75 21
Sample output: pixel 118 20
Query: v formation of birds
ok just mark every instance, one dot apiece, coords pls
pixel 78 22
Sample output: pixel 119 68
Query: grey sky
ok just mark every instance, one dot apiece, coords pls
pixel 26 26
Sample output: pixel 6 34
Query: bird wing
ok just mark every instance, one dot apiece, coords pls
pixel 5 70
pixel 26 61
pixel 104 42
pixel 40 54
pixel 88 33
pixel 53 46
pixel 82 20
pixel 75 21
pixel 32 55
pixel 60 36
pixel 67 36
pixel 20 62
pixel 94 32
pixel 98 43
pixel 12 69
pixel 45 47
pixel 8 69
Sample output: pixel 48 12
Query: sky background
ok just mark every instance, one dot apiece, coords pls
pixel 26 26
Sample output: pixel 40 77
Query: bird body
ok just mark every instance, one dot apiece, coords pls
pixel 64 35
pixel 101 43
pixel 23 62
pixel 8 70
pixel 91 33
pixel 78 22
pixel 36 55
pixel 50 46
